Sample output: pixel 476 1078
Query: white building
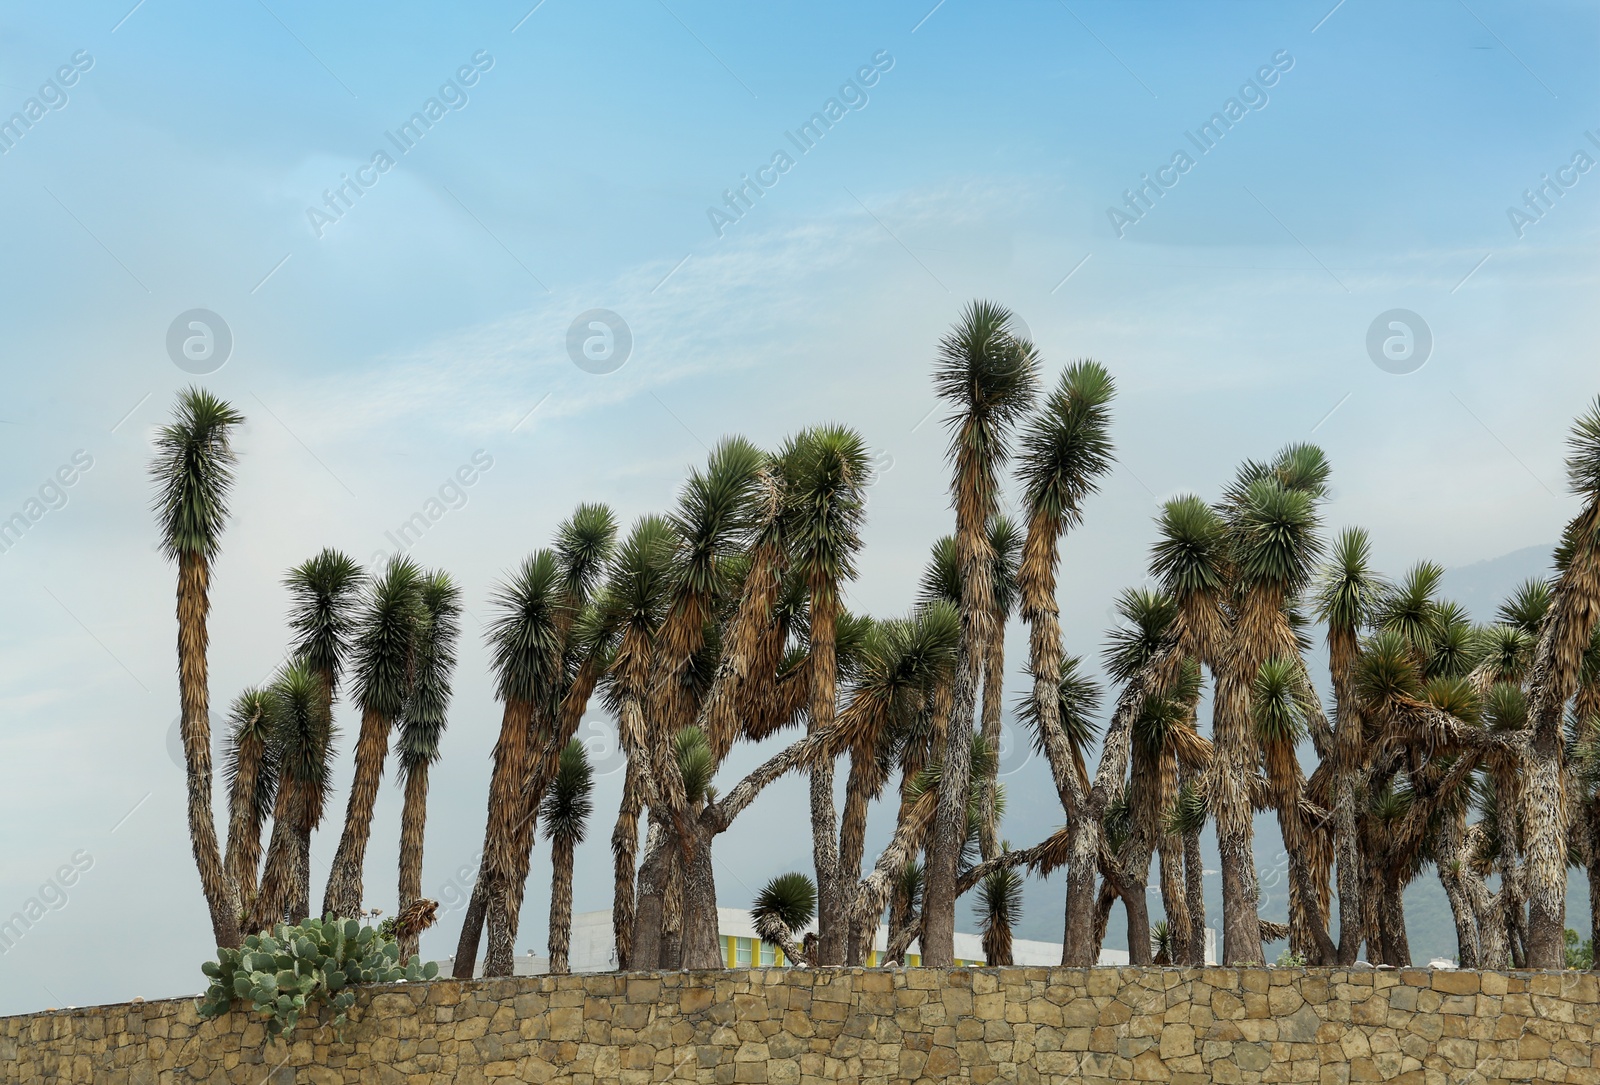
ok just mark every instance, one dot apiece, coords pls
pixel 594 949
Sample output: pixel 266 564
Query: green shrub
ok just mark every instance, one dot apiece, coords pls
pixel 293 968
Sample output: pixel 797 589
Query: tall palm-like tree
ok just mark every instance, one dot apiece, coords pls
pixel 302 744
pixel 1564 638
pixel 1066 448
pixel 1273 544
pixel 525 645
pixel 422 726
pixel 252 787
pixel 391 623
pixel 193 471
pixel 568 801
pixel 1005 544
pixel 324 593
pixel 989 377
pixel 1347 597
pixel 828 472
pixel 637 591
pixel 999 910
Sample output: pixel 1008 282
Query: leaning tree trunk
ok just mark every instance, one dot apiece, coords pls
pixel 242 860
pixel 194 604
pixel 278 875
pixel 413 822
pixel 343 894
pixel 1233 763
pixel 472 925
pixel 507 820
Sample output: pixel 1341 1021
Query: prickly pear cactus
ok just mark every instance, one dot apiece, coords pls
pixel 317 963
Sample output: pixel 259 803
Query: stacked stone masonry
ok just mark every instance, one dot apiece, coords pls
pixel 793 1027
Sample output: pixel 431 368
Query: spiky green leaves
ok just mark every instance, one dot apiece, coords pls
pixel 941 579
pixel 525 642
pixel 423 722
pixel 1388 668
pixel 990 378
pixel 789 899
pixel 696 764
pixel 1526 607
pixel 715 512
pixel 1190 555
pixel 1189 811
pixel 193 472
pixel 1066 447
pixel 1583 457
pixel 569 797
pixel 641 574
pixel 826 471
pixel 1146 616
pixel 390 625
pixel 1348 591
pixel 1275 536
pixel 302 735
pixel 1277 702
pixel 250 739
pixel 323 592
pixel 584 544
pixel 998 909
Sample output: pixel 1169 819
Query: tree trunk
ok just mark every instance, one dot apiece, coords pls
pixel 1394 924
pixel 832 929
pixel 1173 905
pixel 701 946
pixel 343 895
pixel 653 874
pixel 1241 922
pixel 994 673
pixel 560 904
pixel 624 850
pixel 413 822
pixel 1347 849
pixel 1194 892
pixel 466 963
pixel 852 838
pixel 503 834
pixel 1078 948
pixel 300 898
pixel 1544 800
pixel 194 605
pixel 242 860
pixel 278 875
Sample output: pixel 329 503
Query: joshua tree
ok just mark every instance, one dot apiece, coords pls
pixel 193 472
pixel 566 807
pixel 989 377
pixel 302 744
pixel 998 910
pixel 422 726
pixel 1564 639
pixel 252 787
pixel 323 591
pixel 391 622
pixel 828 472
pixel 1066 448
pixel 526 646
pixel 782 909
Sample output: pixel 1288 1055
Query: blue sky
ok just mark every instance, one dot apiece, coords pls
pixel 431 321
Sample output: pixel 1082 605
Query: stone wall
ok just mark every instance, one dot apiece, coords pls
pixel 783 1027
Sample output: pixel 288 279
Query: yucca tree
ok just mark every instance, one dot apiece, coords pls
pixel 783 907
pixel 193 472
pixel 568 801
pixel 525 646
pixel 1066 448
pixel 989 378
pixel 998 910
pixel 1274 543
pixel 252 773
pixel 422 726
pixel 1005 544
pixel 583 546
pixel 638 591
pixel 302 745
pixel 324 597
pixel 827 471
pixel 389 627
pixel 1564 638
pixel 1347 596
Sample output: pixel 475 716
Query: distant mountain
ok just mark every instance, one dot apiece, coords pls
pixel 1482 586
